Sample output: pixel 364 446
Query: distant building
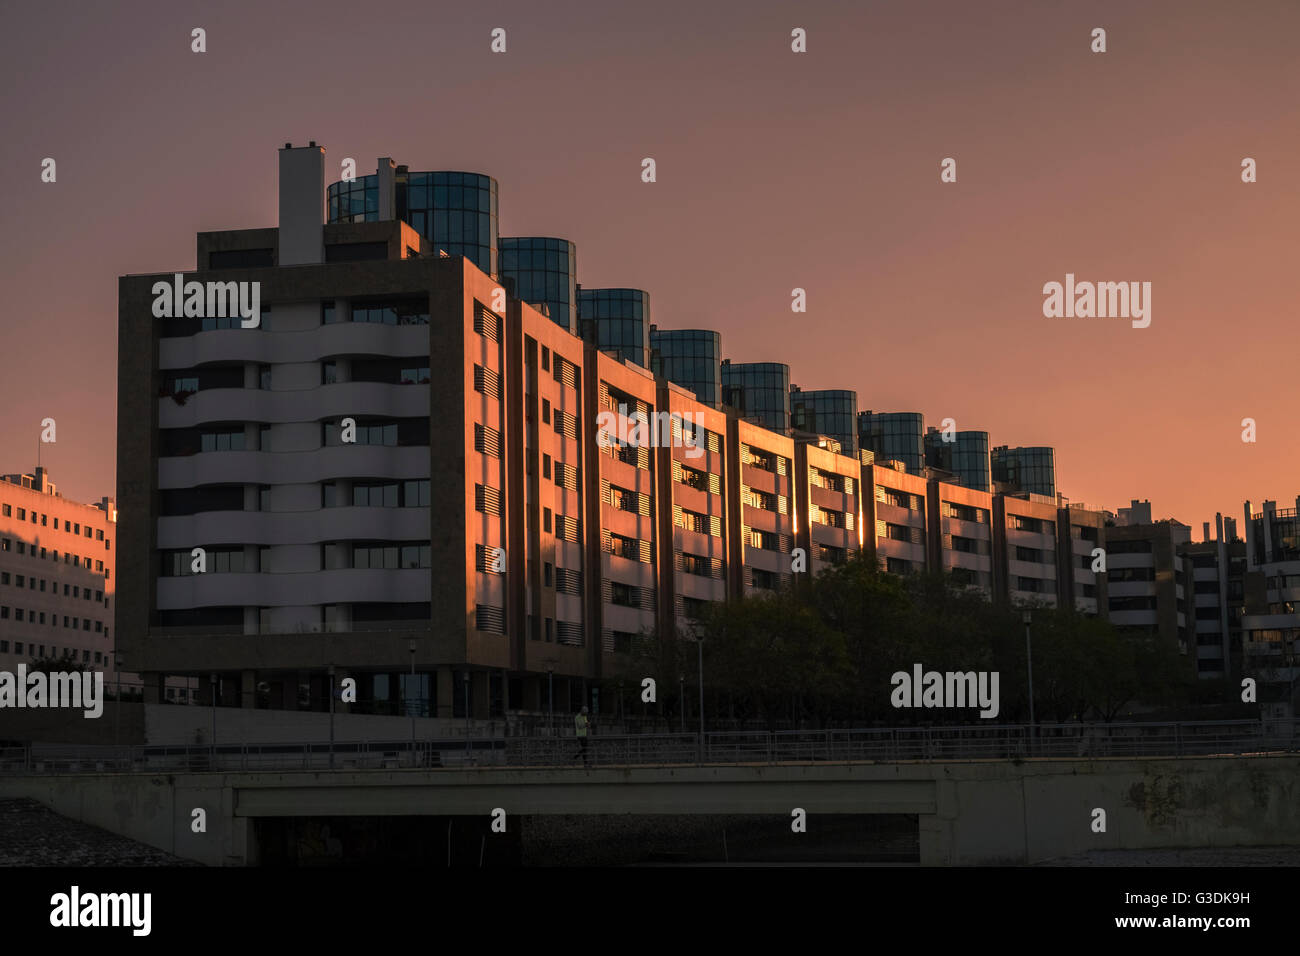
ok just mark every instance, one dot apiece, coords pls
pixel 1271 623
pixel 56 576
pixel 1216 567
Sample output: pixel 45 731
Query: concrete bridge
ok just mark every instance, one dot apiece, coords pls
pixel 969 812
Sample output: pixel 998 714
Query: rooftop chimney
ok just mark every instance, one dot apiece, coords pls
pixel 302 205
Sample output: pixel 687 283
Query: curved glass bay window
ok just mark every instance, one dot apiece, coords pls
pixel 759 391
pixel 455 211
pixel 357 201
pixel 691 358
pixel 617 320
pixel 544 271
pixel 1031 469
pixel 827 411
pixel 894 436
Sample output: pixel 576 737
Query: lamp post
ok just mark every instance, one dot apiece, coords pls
pixel 117 707
pixel 699 646
pixel 681 698
pixel 213 742
pixel 410 647
pixel 550 697
pixel 331 716
pixel 468 752
pixel 1027 616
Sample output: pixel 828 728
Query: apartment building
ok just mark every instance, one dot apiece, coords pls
pixel 1081 531
pixel 696 539
pixel 962 533
pixel 1271 623
pixel 829 499
pixel 896 505
pixel 1216 568
pixel 1146 584
pixel 764 519
pixel 56 576
pixel 408 467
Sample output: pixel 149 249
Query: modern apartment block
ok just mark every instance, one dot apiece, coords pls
pixel 56 576
pixel 764 521
pixel 405 470
pixel 828 502
pixel 1271 623
pixel 1081 531
pixel 962 533
pixel 1216 567
pixel 896 510
pixel 696 539
pixel 1146 582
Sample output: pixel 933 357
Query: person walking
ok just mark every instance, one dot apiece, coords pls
pixel 580 724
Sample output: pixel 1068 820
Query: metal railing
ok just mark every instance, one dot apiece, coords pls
pixel 885 745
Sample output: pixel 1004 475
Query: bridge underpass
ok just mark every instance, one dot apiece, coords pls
pixel 968 812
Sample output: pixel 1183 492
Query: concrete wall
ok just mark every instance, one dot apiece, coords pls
pixel 242 725
pixel 970 813
pixel 153 809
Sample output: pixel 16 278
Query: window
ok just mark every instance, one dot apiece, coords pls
pixel 8 512
pixel 546 413
pixel 546 359
pixel 546 466
pixel 99 534
pixel 43 519
pixel 226 439
pixel 329 373
pixel 546 520
pixel 546 574
pixel 264 377
pixel 22 514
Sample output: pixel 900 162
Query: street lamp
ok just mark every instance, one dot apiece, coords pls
pixel 681 699
pixel 410 646
pixel 1026 615
pixel 468 752
pixel 331 716
pixel 213 744
pixel 117 707
pixel 699 646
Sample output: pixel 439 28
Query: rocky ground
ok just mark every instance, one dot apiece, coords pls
pixel 32 835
